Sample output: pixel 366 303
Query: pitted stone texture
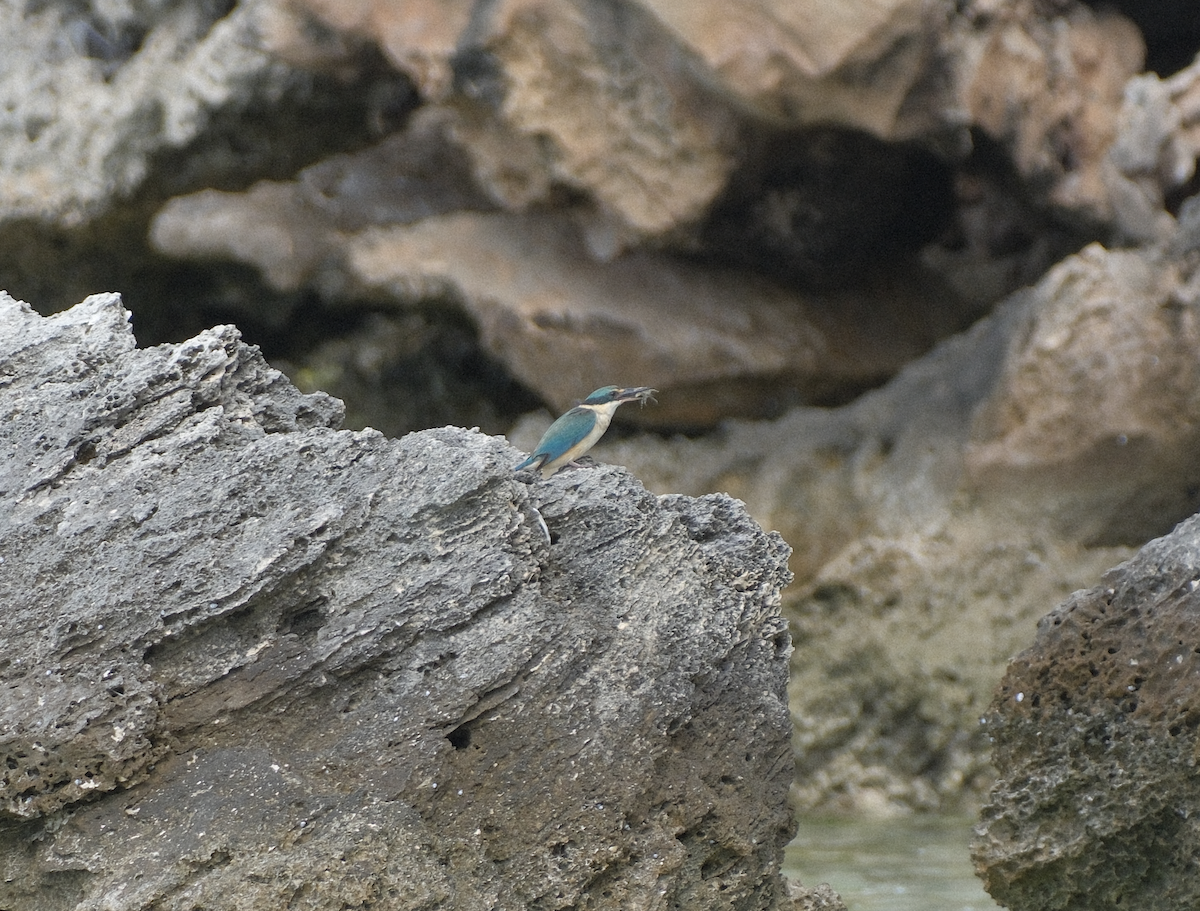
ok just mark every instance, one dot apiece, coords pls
pixel 92 424
pixel 251 659
pixel 1095 731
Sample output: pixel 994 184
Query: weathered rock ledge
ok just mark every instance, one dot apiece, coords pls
pixel 1095 729
pixel 252 661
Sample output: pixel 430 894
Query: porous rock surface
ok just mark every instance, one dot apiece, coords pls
pixel 1095 732
pixel 92 94
pixel 252 661
pixel 673 194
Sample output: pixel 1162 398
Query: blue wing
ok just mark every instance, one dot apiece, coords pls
pixel 564 433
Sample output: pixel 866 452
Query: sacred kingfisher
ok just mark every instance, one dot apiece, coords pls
pixel 577 431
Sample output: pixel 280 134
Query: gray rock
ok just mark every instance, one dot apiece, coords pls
pixel 256 662
pixel 93 94
pixel 1095 731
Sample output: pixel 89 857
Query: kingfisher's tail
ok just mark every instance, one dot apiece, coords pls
pixel 536 460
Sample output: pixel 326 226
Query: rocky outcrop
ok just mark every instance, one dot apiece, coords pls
pixel 95 97
pixel 810 145
pixel 934 519
pixel 810 289
pixel 1044 82
pixel 718 340
pixel 252 660
pixel 1094 421
pixel 458 212
pixel 1095 739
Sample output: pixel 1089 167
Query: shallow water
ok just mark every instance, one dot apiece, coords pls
pixel 915 864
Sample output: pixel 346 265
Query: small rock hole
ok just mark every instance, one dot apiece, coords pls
pixel 460 737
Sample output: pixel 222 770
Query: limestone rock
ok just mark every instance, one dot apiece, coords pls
pixel 606 128
pixel 718 341
pixel 1091 136
pixel 1048 384
pixel 1095 420
pixel 931 517
pixel 120 87
pixel 570 194
pixel 1095 740
pixel 863 64
pixel 1154 153
pixel 252 660
pixel 294 231
pixel 912 632
pixel 112 108
pixel 587 95
pixel 1060 439
pixel 645 110
pixel 822 898
pixel 1049 89
pixel 542 94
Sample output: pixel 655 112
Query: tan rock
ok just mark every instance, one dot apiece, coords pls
pixel 899 643
pixel 856 64
pixel 718 342
pixel 888 465
pixel 647 113
pixel 292 230
pixel 1095 420
pixel 935 519
pixel 1049 89
pixel 626 118
pixel 578 94
pixel 287 242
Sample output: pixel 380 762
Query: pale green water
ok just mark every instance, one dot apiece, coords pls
pixel 916 864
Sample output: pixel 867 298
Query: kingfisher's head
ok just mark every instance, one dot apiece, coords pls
pixel 617 395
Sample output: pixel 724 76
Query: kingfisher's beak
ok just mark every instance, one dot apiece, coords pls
pixel 641 394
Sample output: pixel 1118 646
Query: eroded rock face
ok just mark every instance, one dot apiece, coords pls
pixel 933 519
pixel 719 340
pixel 574 187
pixel 1094 421
pixel 592 96
pixel 1095 743
pixel 94 96
pixel 1049 88
pixel 614 130
pixel 252 660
